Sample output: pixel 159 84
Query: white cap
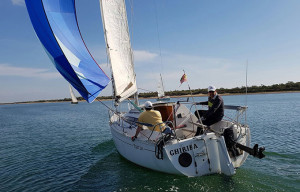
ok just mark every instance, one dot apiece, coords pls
pixel 148 105
pixel 211 88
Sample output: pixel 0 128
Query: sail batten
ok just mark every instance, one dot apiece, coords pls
pixel 115 27
pixel 56 26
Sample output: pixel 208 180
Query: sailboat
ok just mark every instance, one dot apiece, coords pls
pixel 182 153
pixel 161 91
pixel 74 99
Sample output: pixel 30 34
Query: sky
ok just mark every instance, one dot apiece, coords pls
pixel 212 41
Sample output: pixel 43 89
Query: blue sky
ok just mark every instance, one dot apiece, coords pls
pixel 210 40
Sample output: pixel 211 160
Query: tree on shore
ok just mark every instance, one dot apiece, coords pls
pixel 289 86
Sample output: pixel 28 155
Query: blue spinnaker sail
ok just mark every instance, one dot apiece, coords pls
pixel 56 26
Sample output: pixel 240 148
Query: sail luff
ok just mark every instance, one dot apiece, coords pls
pixel 107 50
pixel 116 32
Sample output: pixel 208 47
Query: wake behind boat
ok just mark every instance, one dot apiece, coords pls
pixel 180 153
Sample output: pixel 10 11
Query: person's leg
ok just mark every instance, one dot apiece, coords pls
pixel 199 131
pixel 200 112
pixel 208 122
pixel 212 120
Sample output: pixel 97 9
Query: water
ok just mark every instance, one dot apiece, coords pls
pixel 64 147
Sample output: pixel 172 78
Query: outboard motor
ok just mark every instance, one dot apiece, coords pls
pixel 232 145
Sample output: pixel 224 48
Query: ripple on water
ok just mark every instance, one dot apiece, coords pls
pixel 62 147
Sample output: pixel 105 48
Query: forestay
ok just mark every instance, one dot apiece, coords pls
pixel 119 51
pixel 55 24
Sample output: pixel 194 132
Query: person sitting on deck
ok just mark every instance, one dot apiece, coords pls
pixel 215 110
pixel 152 117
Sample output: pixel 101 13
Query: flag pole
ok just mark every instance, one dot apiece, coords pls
pixel 193 99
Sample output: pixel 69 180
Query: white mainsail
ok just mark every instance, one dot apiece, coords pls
pixel 74 99
pixel 160 88
pixel 117 39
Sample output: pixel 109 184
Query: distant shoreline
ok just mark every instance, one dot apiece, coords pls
pixel 176 96
pixel 229 94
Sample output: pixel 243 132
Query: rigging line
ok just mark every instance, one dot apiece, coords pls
pixel 106 106
pixel 246 90
pixel 118 115
pixel 194 101
pixel 132 16
pixel 157 29
pixel 246 81
pixel 114 111
pixel 135 95
pixel 131 22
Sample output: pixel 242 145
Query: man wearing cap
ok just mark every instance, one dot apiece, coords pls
pixel 215 110
pixel 152 117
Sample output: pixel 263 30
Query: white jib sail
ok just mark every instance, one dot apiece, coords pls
pixel 160 88
pixel 74 99
pixel 115 26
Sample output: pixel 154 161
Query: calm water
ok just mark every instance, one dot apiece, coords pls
pixel 64 147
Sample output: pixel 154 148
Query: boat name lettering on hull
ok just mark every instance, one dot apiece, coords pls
pixel 183 149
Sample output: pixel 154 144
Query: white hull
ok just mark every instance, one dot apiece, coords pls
pixel 187 155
